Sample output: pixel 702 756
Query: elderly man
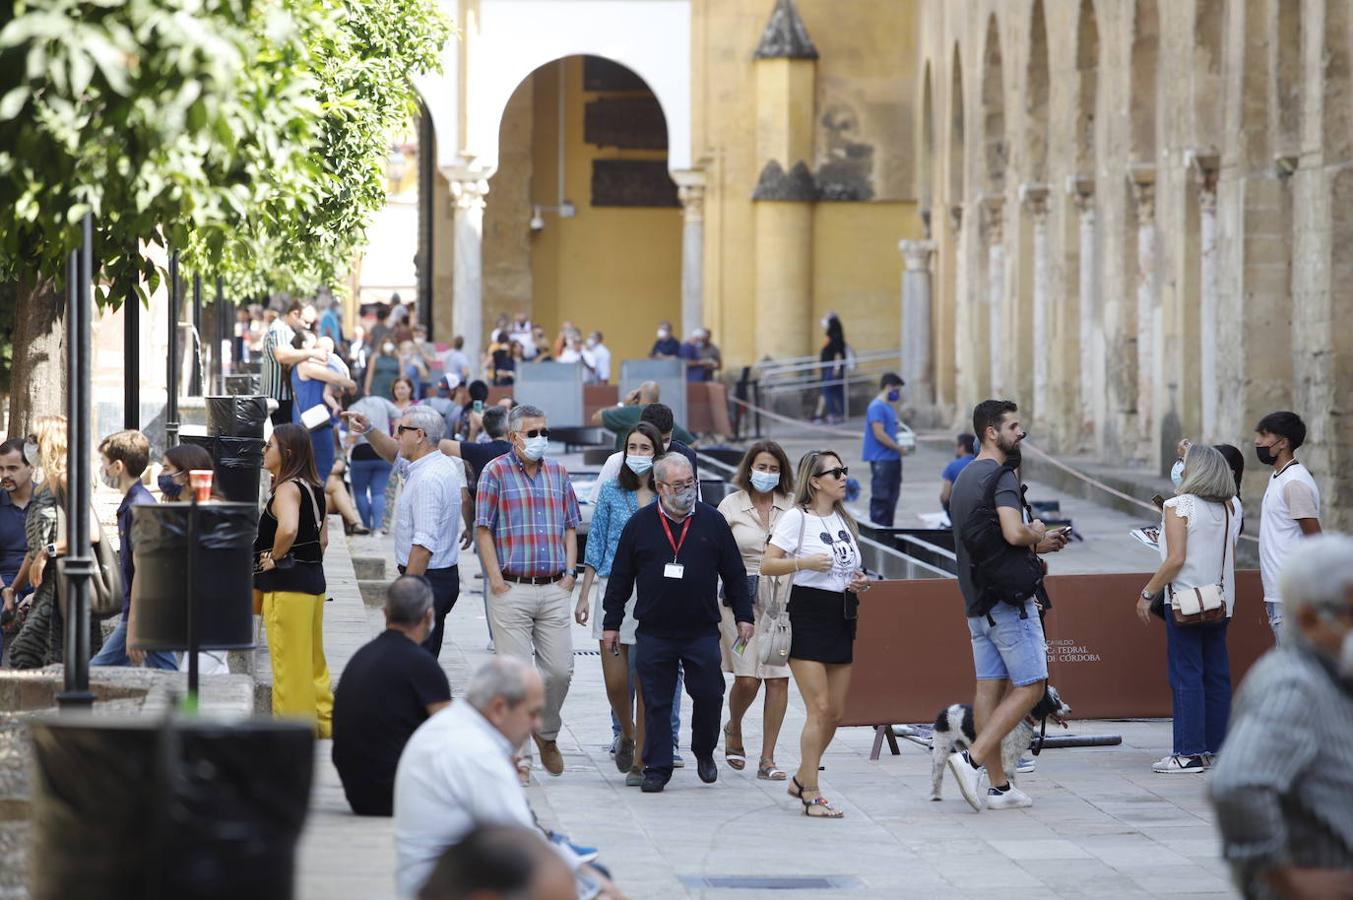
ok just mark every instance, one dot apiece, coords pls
pixel 428 535
pixel 456 772
pixel 676 551
pixel 1283 783
pixel 389 688
pixel 526 523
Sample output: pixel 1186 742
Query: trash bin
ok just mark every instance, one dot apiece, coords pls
pixel 223 567
pixel 169 808
pixel 241 383
pixel 238 461
pixel 235 416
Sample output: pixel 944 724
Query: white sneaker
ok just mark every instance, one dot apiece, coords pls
pixel 1179 765
pixel 1013 798
pixel 970 780
pixel 1026 765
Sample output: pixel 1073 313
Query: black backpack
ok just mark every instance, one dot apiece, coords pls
pixel 1001 572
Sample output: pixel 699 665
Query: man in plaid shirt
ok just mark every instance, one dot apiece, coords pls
pixel 526 522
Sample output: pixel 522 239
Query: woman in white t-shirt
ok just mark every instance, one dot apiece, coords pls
pixel 817 542
pixel 1199 528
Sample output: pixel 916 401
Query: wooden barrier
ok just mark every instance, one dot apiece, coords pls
pixel 913 656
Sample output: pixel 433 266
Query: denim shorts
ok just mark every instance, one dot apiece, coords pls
pixel 1013 648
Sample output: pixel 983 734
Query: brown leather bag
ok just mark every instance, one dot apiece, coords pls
pixel 1201 605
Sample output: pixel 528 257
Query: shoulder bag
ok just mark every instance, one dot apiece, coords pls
pixel 105 588
pixel 1200 605
pixel 772 645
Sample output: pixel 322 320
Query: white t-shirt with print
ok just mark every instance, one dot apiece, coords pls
pixel 829 535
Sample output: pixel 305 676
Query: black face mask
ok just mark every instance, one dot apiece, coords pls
pixel 1265 454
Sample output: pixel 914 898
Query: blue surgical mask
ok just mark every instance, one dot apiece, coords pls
pixel 639 465
pixel 894 396
pixel 169 488
pixel 534 448
pixel 1177 473
pixel 765 482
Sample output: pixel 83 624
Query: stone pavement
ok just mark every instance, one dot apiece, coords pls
pixel 1102 825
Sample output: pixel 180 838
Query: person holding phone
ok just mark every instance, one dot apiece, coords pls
pixel 818 543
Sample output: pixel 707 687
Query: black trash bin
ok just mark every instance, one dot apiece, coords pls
pixel 223 566
pixel 178 808
pixel 236 416
pixel 239 464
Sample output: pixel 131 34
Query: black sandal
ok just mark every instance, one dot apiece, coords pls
pixel 795 789
pixel 820 802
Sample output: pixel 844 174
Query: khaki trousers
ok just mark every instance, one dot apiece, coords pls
pixel 534 622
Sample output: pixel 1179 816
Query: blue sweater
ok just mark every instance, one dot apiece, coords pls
pixel 669 607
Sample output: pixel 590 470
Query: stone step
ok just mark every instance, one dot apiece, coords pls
pixel 369 568
pixel 373 593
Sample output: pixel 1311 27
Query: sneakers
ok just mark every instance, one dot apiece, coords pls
pixel 634 778
pixel 584 854
pixel 1179 765
pixel 677 761
pixel 970 780
pixel 1026 765
pixel 624 754
pixel 1011 798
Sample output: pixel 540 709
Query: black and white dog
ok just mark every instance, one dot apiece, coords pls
pixel 954 731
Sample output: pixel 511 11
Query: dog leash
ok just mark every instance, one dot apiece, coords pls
pixel 1037 748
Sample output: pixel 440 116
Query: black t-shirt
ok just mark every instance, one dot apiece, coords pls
pixel 381 699
pixel 477 456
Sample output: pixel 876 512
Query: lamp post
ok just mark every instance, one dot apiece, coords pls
pixel 131 359
pixel 171 407
pixel 78 567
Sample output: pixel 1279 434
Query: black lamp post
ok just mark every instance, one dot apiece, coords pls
pixel 171 408
pixel 195 379
pixel 78 565
pixel 131 359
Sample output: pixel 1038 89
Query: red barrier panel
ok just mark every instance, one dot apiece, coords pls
pixel 913 655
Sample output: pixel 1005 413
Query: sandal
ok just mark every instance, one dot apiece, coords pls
pixel 820 803
pixel 768 771
pixel 736 757
pixel 795 789
pixel 523 767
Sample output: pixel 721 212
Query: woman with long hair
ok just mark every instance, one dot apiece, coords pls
pixel 289 571
pixel 766 492
pixel 833 371
pixel 617 501
pixel 817 543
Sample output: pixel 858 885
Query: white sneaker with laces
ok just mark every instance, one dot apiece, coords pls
pixel 1013 798
pixel 970 781
pixel 1026 765
pixel 1179 765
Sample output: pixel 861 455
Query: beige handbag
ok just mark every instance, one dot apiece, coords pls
pixel 772 645
pixel 105 587
pixel 1200 605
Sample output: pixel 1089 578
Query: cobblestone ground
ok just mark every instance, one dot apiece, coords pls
pixel 1102 825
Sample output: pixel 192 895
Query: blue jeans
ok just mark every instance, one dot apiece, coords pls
pixel 1200 683
pixel 1013 648
pixel 114 652
pixel 885 487
pixel 1274 611
pixel 659 658
pixel 369 478
pixel 835 397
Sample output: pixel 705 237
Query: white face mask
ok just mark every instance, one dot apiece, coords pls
pixel 534 448
pixel 663 333
pixel 1177 473
pixel 765 481
pixel 387 348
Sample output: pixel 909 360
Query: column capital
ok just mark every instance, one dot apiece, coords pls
pixel 468 192
pixel 916 254
pixel 993 214
pixel 1034 195
pixel 1142 180
pixel 691 192
pixel 1081 188
pixel 956 217
pixel 1206 165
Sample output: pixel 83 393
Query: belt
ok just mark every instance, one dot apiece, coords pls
pixel 529 579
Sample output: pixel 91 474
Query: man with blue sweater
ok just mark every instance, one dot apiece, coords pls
pixel 677 550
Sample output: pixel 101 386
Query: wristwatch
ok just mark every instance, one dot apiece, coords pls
pixel 51 551
pixel 1146 595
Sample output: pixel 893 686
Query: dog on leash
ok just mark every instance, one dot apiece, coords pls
pixel 954 732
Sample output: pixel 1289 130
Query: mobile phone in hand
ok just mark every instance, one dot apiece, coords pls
pixel 739 646
pixel 478 406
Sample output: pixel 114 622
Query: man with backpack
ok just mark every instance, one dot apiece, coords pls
pixel 1000 576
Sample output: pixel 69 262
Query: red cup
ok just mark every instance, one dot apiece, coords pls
pixel 200 479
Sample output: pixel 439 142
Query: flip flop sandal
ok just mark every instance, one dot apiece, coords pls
pixel 820 802
pixel 770 773
pixel 736 757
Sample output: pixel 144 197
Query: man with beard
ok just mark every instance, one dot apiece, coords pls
pixel 1283 788
pixel 1007 642
pixel 16 489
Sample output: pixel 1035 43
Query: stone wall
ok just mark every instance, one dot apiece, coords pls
pixel 1140 210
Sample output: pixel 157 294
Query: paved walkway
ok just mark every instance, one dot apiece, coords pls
pixel 1102 825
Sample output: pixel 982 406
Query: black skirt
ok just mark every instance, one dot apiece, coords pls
pixel 820 631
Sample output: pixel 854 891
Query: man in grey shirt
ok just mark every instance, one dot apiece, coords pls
pixel 1009 653
pixel 1283 783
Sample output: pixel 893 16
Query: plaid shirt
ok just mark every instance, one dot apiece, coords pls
pixel 528 516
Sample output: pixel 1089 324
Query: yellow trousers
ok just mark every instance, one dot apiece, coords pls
pixel 300 676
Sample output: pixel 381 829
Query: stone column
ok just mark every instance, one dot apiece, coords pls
pixel 964 347
pixel 997 339
pixel 691 191
pixel 1205 170
pixel 917 367
pixel 1143 180
pixel 1035 197
pixel 467 302
pixel 1083 192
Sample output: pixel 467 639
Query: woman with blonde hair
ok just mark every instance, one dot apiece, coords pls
pixel 817 542
pixel 1199 528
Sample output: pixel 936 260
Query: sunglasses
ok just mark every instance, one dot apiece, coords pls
pixel 536 432
pixel 404 428
pixel 838 472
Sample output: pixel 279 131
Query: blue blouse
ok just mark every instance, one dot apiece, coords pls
pixel 613 507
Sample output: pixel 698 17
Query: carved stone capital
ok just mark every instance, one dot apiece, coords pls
pixel 1081 188
pixel 468 193
pixel 1206 166
pixel 691 192
pixel 993 217
pixel 1142 178
pixel 916 254
pixel 956 217
pixel 1035 197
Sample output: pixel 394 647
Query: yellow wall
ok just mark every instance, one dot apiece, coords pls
pixel 616 269
pixel 857 270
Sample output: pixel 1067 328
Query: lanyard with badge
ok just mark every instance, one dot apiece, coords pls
pixel 675 569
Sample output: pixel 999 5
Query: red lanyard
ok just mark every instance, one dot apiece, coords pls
pixel 676 545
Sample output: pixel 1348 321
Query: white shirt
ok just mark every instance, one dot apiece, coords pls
pixel 1208 555
pixel 1291 495
pixel 455 773
pixel 569 355
pixel 455 362
pixel 428 511
pixel 829 535
pixel 609 472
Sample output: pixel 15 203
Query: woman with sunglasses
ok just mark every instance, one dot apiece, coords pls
pixel 289 571
pixel 817 543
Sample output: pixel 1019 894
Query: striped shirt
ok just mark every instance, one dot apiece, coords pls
pixel 428 511
pixel 527 516
pixel 1283 783
pixel 275 383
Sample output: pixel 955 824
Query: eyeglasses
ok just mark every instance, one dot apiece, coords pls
pixel 404 428
pixel 838 472
pixel 536 432
pixel 678 485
